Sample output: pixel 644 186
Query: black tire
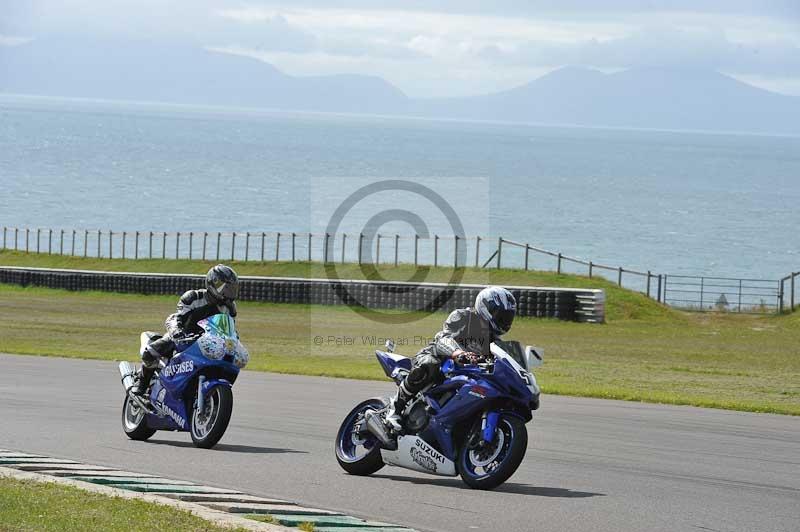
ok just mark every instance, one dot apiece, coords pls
pixel 514 428
pixel 218 407
pixel 135 426
pixel 371 461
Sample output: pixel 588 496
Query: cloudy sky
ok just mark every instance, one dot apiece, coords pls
pixel 450 47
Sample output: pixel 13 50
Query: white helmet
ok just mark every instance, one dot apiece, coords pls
pixel 497 307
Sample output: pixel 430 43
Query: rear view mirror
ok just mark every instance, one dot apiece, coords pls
pixel 533 356
pixel 390 346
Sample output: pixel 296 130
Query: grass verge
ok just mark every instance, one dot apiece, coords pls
pixel 621 303
pixel 720 361
pixel 28 505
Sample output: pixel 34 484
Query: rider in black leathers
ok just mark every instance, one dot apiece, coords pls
pixel 219 297
pixel 466 337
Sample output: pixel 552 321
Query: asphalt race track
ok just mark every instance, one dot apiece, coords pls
pixel 591 465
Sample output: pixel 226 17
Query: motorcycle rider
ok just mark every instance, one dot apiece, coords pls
pixel 219 297
pixel 465 337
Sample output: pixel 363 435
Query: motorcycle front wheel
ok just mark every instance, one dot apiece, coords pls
pixel 208 426
pixel 134 421
pixel 484 465
pixel 358 453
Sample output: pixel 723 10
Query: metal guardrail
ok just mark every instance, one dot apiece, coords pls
pixel 689 292
pixel 723 294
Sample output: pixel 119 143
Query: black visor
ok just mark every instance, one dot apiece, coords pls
pixel 229 291
pixel 504 318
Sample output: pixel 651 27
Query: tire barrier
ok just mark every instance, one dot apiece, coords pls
pixel 572 304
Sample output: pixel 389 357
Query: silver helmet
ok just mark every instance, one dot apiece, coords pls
pixel 497 307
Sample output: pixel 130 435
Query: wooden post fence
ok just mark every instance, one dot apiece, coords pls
pixel 499 251
pixel 263 242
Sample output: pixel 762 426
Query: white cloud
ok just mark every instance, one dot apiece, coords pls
pixel 446 47
pixel 10 40
pixel 694 47
pixel 395 22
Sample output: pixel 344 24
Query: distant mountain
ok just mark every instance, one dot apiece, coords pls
pixel 191 75
pixel 639 97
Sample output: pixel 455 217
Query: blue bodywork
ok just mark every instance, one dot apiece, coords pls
pixel 175 389
pixel 466 393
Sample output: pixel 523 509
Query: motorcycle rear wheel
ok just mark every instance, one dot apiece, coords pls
pixel 348 443
pixel 134 421
pixel 208 426
pixel 486 467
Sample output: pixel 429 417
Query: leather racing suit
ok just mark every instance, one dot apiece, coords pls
pixel 463 331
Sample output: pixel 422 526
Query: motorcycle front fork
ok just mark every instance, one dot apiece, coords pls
pixel 489 426
pixel 200 399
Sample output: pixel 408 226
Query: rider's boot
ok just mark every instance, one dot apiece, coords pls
pixel 394 413
pixel 145 376
pixel 150 359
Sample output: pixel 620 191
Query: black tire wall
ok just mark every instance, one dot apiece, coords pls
pixel 560 303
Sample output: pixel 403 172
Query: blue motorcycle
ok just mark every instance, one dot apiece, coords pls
pixel 192 391
pixel 472 424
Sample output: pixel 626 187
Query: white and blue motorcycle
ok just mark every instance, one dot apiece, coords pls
pixel 192 392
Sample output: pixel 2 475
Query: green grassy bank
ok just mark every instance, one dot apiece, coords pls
pixel 621 303
pixel 27 505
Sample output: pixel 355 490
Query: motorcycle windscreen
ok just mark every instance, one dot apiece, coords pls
pixel 221 342
pixel 220 324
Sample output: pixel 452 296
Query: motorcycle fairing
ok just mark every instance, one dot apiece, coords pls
pixel 391 363
pixel 183 367
pixel 476 392
pixel 415 453
pixel 171 412
pixel 170 394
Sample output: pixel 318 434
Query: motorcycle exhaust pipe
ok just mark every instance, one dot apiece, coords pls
pixel 374 423
pixel 128 373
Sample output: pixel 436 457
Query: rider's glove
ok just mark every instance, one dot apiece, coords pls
pixel 467 358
